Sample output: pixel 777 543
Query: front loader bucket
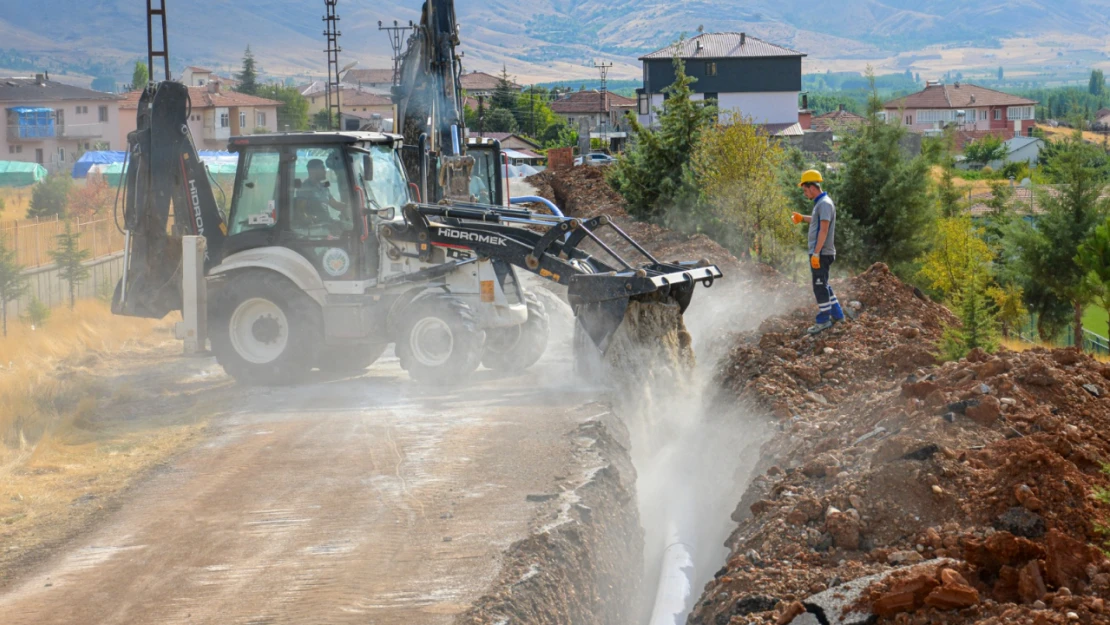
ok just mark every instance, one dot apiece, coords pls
pixel 602 301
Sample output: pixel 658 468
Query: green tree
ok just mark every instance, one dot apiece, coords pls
pixel 735 166
pixel 886 211
pixel 500 120
pixel 652 177
pixel 1010 304
pixel 504 96
pixel 1094 258
pixel 50 196
pixel 978 326
pixel 140 76
pixel 989 148
pixel 293 112
pixel 70 259
pixel 248 77
pixel 1046 255
pixel 949 196
pixel 323 120
pixel 13 282
pixel 1097 84
pixel 37 313
pixel 958 257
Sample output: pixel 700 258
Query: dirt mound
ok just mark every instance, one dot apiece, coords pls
pixel 887 459
pixel 781 368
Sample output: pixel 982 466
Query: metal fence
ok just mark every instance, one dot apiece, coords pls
pixel 1093 343
pixel 34 239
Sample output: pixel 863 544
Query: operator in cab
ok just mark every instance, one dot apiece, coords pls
pixel 315 200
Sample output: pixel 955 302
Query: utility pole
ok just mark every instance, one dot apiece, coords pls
pixel 331 20
pixel 603 68
pixel 482 116
pixel 156 11
pixel 397 41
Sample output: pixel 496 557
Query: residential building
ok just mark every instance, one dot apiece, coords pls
pixel 195 76
pixel 968 107
pixel 374 78
pixel 317 93
pixel 359 107
pixel 216 115
pixel 838 120
pixel 509 141
pixel 49 123
pixel 744 75
pixel 603 112
pixel 480 84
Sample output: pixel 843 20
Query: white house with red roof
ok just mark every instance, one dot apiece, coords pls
pixel 217 115
pixel 970 108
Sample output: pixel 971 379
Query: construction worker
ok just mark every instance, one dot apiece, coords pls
pixel 822 249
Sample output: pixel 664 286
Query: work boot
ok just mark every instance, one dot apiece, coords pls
pixel 820 327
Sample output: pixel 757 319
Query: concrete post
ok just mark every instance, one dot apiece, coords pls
pixel 194 311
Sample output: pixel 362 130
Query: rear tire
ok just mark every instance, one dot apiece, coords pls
pixel 354 359
pixel 265 330
pixel 440 342
pixel 519 347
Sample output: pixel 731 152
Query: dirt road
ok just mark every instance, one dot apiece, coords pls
pixel 360 501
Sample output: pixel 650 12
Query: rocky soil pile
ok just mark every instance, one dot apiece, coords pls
pixel 952 493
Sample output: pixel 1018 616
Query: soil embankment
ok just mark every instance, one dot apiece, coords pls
pixel 904 490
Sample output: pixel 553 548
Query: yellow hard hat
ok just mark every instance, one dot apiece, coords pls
pixel 810 177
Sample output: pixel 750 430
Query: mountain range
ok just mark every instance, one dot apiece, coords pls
pixel 544 38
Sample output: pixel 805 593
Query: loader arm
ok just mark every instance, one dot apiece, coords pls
pixel 165 177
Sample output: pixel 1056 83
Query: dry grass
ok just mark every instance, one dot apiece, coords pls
pixel 83 411
pixel 1063 133
pixel 16 202
pixel 1016 345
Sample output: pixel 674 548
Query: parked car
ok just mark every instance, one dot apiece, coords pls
pixel 596 158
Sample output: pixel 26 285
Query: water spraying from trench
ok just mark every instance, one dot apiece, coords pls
pixel 695 456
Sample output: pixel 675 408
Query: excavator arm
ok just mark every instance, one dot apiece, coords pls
pixel 165 178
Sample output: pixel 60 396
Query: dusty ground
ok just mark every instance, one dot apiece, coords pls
pixel 341 501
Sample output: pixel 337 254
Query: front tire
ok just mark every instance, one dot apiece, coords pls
pixel 519 347
pixel 265 330
pixel 440 341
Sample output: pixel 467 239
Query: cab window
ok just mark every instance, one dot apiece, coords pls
pixel 321 194
pixel 256 192
pixel 386 185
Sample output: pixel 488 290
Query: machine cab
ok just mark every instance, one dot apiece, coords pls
pixel 489 182
pixel 321 195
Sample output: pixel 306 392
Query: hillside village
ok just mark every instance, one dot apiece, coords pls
pixel 937 454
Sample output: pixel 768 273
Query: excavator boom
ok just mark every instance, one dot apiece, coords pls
pixel 165 178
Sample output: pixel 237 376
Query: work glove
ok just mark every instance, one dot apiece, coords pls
pixel 815 261
pixel 797 218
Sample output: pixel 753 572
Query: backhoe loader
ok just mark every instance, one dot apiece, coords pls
pixel 337 244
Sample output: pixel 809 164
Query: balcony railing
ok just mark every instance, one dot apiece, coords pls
pixel 81 131
pixel 30 133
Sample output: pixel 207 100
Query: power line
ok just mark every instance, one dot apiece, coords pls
pixel 396 40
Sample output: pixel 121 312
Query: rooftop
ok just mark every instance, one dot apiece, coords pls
pixel 590 102
pixel 362 98
pixel 369 76
pixel 957 96
pixel 836 120
pixel 481 81
pixel 29 90
pixel 202 98
pixel 722 46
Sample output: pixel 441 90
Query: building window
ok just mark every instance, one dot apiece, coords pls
pixel 711 68
pixel 225 120
pixel 260 119
pixel 103 114
pixel 242 120
pixel 909 120
pixel 19 149
pixel 997 115
pixel 711 96
pixel 61 155
pixel 1019 113
pixel 314 100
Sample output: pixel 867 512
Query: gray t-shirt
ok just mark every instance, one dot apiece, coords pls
pixel 823 210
